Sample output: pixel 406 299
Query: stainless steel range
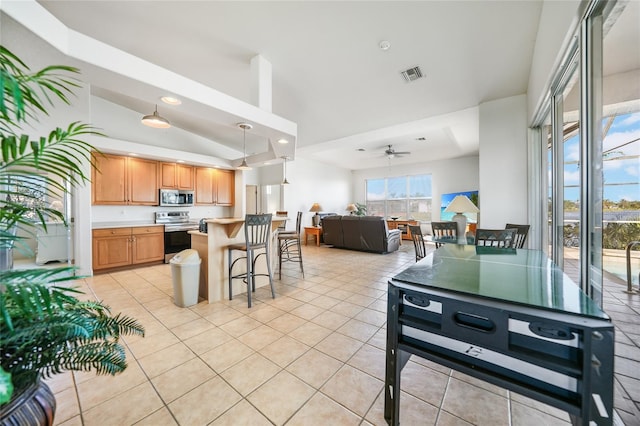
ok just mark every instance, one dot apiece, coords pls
pixel 177 225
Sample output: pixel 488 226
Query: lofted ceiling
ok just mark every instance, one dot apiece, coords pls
pixel 330 76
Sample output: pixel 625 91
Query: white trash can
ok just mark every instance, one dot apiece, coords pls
pixel 185 271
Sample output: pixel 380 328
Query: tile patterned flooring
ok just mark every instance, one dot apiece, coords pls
pixel 314 355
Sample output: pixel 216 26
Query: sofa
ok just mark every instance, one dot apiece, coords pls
pixel 364 233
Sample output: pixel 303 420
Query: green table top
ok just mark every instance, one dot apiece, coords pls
pixel 526 277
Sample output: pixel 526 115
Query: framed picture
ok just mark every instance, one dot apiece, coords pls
pixel 447 198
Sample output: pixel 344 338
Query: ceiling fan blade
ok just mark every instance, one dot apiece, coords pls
pixel 402 152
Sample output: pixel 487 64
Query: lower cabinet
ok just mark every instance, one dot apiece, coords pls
pixel 121 247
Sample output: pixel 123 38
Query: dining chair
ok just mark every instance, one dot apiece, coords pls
pixel 521 234
pixel 444 232
pixel 290 247
pixel 418 241
pixel 257 234
pixel 499 238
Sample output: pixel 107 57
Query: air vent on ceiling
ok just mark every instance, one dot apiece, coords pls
pixel 411 74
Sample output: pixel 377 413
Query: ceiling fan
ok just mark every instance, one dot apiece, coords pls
pixel 392 153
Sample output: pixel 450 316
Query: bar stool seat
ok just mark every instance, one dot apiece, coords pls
pixel 257 234
pixel 290 247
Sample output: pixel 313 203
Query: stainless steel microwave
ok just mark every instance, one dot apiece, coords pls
pixel 175 197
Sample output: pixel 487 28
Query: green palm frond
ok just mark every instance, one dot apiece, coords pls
pixel 45 328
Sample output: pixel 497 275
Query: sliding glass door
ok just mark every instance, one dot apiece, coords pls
pixel 593 157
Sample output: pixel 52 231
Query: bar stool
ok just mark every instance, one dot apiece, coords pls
pixel 257 233
pixel 289 246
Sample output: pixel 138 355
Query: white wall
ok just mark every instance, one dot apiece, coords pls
pixel 455 175
pixel 503 162
pixel 313 182
pixel 558 21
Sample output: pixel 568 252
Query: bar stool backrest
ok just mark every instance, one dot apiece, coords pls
pixel 257 230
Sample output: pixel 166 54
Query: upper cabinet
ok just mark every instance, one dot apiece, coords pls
pixel 118 180
pixel 225 187
pixel 215 186
pixel 176 176
pixel 204 186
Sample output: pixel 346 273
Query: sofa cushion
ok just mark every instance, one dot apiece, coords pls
pixel 332 230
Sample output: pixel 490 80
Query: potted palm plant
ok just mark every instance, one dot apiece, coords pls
pixel 46 326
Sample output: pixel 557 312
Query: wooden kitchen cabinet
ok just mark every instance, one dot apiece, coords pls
pixel 148 244
pixel 175 176
pixel 215 186
pixel 204 186
pixel 121 247
pixel 111 248
pixel 225 187
pixel 118 180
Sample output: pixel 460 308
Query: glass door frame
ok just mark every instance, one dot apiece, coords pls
pixel 587 46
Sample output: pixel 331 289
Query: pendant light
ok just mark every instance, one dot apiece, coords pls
pixel 244 127
pixel 155 120
pixel 285 181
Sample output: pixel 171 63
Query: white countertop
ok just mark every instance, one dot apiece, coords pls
pixel 129 224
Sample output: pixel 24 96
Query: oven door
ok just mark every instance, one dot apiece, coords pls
pixel 175 242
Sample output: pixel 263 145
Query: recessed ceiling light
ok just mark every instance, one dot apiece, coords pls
pixel 283 141
pixel 170 100
pixel 180 161
pixel 384 45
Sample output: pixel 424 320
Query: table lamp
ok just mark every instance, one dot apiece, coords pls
pixel 461 204
pixel 316 218
pixel 352 209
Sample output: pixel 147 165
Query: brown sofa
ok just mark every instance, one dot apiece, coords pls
pixel 364 233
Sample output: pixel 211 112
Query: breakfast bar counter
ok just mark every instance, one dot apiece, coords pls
pixel 212 248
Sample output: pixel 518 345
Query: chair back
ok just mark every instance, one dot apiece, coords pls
pixel 444 232
pixel 282 225
pixel 499 238
pixel 521 234
pixel 299 223
pixel 418 241
pixel 257 230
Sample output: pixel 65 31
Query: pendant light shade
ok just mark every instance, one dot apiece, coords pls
pixel 285 181
pixel 155 120
pixel 244 127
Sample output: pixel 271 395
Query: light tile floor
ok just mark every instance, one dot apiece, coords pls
pixel 314 355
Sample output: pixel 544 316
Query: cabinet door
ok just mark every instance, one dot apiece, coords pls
pixel 204 185
pixel 109 180
pixel 184 177
pixel 148 244
pixel 111 248
pixel 167 175
pixel 143 182
pixel 225 187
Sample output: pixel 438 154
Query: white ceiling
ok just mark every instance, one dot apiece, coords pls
pixel 329 75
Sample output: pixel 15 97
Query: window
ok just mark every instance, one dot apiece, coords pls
pixel 28 191
pixel 405 197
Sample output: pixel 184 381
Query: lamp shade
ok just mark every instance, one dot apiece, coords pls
pixel 315 208
pixel 461 204
pixel 352 208
pixel 155 120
